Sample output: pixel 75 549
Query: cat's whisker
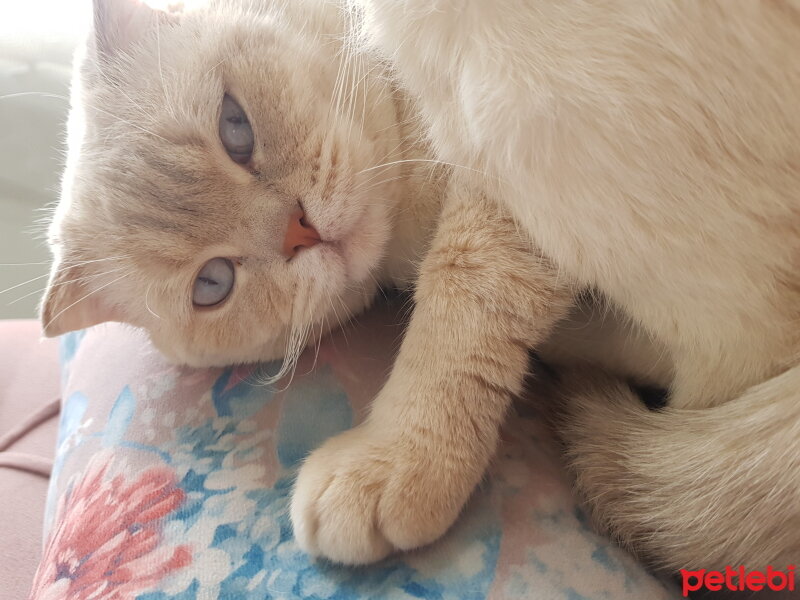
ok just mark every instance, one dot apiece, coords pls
pixel 26 264
pixel 28 295
pixel 33 93
pixel 316 345
pixel 408 121
pixel 355 62
pixel 427 160
pixel 365 95
pixel 19 285
pixel 347 96
pixel 147 304
pixel 364 190
pixel 319 340
pixel 406 309
pixel 295 344
pixel 38 229
pixel 119 89
pixel 396 150
pixel 336 314
pixel 66 264
pixel 290 362
pixel 167 101
pixel 160 66
pixel 373 182
pixel 82 298
pixel 361 60
pixel 378 286
pixel 338 86
pixel 207 73
pixel 384 92
pixel 367 188
pixel 76 280
pixel 383 166
pixel 368 180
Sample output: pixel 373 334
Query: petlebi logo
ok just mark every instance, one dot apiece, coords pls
pixel 739 580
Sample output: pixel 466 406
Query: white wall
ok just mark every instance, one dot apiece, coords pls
pixel 37 38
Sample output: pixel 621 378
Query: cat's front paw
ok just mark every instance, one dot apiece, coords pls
pixel 363 495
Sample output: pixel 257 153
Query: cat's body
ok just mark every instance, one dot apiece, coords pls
pixel 651 150
pixel 645 150
pixel 653 155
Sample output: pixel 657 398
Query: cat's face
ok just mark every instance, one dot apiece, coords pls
pixel 169 177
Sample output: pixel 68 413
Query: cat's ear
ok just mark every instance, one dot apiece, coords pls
pixel 70 304
pixel 119 24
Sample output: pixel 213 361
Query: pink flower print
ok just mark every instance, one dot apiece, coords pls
pixel 107 535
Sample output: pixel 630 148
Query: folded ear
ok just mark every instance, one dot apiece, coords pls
pixel 70 303
pixel 118 24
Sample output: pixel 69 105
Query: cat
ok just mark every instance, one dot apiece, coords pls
pixel 503 158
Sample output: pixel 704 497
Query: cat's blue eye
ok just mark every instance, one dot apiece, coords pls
pixel 214 282
pixel 235 132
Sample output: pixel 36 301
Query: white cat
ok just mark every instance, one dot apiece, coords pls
pixel 243 174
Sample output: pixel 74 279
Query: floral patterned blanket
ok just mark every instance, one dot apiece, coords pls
pixel 173 484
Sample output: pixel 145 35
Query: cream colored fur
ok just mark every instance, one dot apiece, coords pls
pixel 644 151
pixel 650 150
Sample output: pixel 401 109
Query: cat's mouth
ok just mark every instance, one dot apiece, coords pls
pixel 357 246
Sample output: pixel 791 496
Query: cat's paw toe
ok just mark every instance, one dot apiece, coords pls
pixel 360 497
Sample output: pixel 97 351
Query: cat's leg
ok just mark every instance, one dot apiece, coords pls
pixel 399 480
pixel 688 488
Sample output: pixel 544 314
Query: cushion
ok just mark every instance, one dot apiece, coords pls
pixel 29 388
pixel 174 483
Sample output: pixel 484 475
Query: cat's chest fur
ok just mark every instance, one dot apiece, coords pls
pixel 625 146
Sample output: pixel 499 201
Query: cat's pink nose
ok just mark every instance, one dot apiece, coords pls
pixel 299 234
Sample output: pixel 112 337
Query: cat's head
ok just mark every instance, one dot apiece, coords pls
pixel 197 139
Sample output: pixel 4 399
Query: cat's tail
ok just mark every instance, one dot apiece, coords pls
pixel 685 488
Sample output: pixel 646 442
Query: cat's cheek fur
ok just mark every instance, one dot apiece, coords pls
pixel 365 244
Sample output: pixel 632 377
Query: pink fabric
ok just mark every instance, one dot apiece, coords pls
pixel 172 482
pixel 29 448
pixel 131 556
pixel 29 424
